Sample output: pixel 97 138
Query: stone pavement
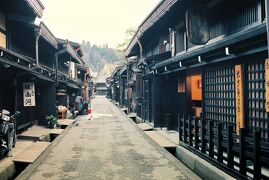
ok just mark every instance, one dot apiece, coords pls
pixel 110 146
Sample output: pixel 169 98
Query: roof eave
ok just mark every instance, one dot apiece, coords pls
pixel 155 15
pixel 74 54
pixel 48 36
pixel 37 7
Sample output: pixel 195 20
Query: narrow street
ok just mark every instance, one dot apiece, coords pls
pixel 109 147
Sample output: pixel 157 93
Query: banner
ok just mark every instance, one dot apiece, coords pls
pixel 239 103
pixel 29 94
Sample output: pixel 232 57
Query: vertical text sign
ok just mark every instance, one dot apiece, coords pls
pixel 28 94
pixel 239 98
pixel 267 84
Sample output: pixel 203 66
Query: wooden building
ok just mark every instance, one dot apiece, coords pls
pixel 84 78
pixel 113 82
pixel 101 86
pixel 220 78
pixel 19 60
pixel 33 63
pixel 69 57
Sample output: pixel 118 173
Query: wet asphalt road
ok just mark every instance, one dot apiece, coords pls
pixel 109 146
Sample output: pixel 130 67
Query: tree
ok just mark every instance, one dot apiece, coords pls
pixel 121 47
pixel 129 34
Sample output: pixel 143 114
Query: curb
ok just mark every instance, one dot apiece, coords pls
pixel 201 167
pixel 8 172
pixel 25 174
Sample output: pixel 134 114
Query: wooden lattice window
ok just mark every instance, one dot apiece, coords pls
pixel 257 117
pixel 219 94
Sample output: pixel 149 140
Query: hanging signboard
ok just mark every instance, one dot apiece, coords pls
pixel 267 85
pixel 28 94
pixel 239 98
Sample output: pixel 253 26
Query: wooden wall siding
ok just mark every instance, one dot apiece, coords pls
pixel 219 94
pixel 46 54
pixel 244 15
pixel 63 67
pixel 257 117
pixel 217 26
pixel 190 44
pixel 146 99
pixel 22 39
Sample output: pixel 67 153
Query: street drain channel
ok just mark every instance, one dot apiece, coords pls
pixel 172 150
pixel 29 156
pixel 19 167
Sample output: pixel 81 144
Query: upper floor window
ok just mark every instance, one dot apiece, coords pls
pixel 243 14
pixel 180 40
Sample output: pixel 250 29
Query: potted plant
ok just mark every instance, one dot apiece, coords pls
pixel 52 121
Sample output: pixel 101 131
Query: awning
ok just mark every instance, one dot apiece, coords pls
pixel 26 69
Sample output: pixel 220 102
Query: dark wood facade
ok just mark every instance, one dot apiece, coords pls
pixel 182 80
pixel 28 54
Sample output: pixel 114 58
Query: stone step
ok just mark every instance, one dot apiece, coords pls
pixel 161 140
pixel 145 127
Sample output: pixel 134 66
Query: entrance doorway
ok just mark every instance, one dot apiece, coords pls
pixel 194 91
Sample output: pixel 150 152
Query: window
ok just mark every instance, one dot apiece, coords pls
pixel 219 94
pixel 243 15
pixel 180 41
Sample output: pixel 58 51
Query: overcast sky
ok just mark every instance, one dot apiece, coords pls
pixel 97 21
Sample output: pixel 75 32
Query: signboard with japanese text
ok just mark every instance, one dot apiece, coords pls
pixel 29 94
pixel 267 85
pixel 239 98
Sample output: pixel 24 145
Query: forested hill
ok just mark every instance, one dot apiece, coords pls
pixel 97 56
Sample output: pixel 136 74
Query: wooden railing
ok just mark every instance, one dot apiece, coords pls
pixel 242 156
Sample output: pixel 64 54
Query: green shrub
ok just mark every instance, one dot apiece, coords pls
pixel 52 121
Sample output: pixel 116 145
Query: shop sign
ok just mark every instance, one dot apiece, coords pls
pixel 267 85
pixel 28 94
pixel 239 98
